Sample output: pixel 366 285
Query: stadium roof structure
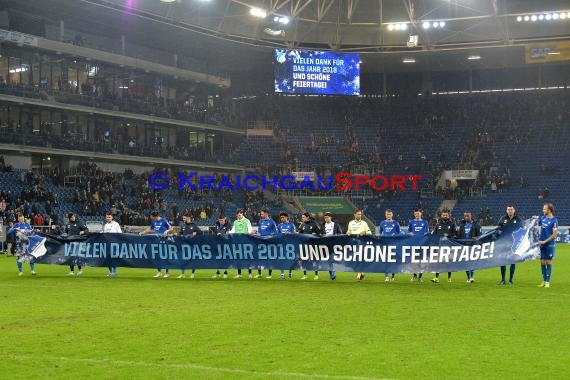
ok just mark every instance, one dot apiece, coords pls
pixel 359 25
pixel 380 28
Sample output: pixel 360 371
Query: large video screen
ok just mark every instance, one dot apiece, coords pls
pixel 317 72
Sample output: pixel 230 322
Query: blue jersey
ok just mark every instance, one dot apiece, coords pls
pixel 418 227
pixel 389 228
pixel 22 242
pixel 266 227
pixel 286 228
pixel 160 226
pixel 546 227
pixel 467 227
pixel 22 226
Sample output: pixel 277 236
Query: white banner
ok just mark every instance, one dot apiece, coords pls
pixel 18 38
pixel 461 174
pixel 300 176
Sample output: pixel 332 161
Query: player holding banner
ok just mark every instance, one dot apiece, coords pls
pixel 241 225
pixel 468 229
pixel 330 228
pixel 266 227
pixel 75 227
pixel 285 227
pixel 548 232
pixel 509 219
pixel 309 227
pixel 222 227
pixel 418 227
pixel 389 227
pixel 445 227
pixel 159 227
pixel 189 229
pixel 21 231
pixel 111 226
pixel 358 227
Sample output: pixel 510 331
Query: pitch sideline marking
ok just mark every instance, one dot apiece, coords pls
pixel 193 366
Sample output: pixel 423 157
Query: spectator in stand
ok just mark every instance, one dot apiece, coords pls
pixel 39 220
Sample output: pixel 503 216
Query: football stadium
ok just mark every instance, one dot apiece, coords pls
pixel 284 189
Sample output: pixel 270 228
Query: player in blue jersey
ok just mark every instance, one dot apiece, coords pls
pixel 285 227
pixel 418 227
pixel 21 231
pixel 389 227
pixel 468 229
pixel 548 232
pixel 159 227
pixel 266 227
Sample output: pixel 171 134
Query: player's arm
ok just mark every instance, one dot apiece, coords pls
pixel 366 230
pixel 337 229
pixel 478 230
pixel 317 229
pixel 551 237
pixel 145 232
pixel 349 229
pixel 397 231
pixel 249 227
pixel 83 229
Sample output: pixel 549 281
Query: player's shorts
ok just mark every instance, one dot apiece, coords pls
pixel 546 252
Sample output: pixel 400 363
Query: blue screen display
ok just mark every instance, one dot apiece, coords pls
pixel 317 72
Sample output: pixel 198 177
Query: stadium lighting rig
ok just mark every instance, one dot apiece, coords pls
pixel 404 26
pixel 258 12
pixel 433 24
pixel 281 19
pixel 400 26
pixel 544 16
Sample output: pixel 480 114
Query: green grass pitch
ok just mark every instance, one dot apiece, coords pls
pixel 135 326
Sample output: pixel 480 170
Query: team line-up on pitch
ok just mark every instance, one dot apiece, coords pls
pixel 538 232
